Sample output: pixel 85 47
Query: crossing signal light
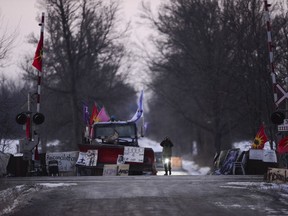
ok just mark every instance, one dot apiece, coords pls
pixel 21 118
pixel 38 118
pixel 277 118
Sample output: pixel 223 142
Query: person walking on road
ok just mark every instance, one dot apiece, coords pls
pixel 166 154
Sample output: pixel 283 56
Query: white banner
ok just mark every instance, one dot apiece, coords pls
pixel 256 154
pixel 133 154
pixel 88 158
pixel 66 160
pixel 269 156
pixel 116 170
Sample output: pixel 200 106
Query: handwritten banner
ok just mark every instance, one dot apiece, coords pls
pixel 264 155
pixel 133 154
pixel 277 175
pixel 116 170
pixel 123 170
pixel 256 154
pixel 110 170
pixel 269 156
pixel 66 160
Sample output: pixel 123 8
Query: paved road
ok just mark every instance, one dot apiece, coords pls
pixel 141 195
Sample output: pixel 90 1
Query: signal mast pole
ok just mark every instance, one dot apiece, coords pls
pixel 39 73
pixel 271 60
pixel 270 48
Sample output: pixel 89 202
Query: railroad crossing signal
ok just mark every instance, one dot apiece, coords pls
pixel 38 118
pixel 278 116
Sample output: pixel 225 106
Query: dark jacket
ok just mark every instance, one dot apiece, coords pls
pixel 167 148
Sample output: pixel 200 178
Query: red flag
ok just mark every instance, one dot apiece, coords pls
pixel 260 139
pixel 95 112
pixel 37 63
pixel 283 145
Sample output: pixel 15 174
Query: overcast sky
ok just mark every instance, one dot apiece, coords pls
pixel 21 15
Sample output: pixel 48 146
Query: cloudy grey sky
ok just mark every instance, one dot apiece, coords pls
pixel 21 15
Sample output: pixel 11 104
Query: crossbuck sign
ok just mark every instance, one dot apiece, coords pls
pixel 284 96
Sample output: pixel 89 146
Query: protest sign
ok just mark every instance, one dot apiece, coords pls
pixel 66 160
pixel 133 154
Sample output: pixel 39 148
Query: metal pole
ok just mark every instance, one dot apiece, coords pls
pixel 271 59
pixel 39 72
pixel 270 47
pixel 28 120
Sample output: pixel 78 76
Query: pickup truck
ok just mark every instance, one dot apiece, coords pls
pixel 112 140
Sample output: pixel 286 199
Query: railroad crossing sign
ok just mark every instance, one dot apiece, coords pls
pixel 284 95
pixel 284 126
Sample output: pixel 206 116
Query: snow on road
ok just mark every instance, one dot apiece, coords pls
pixel 15 197
pixel 189 167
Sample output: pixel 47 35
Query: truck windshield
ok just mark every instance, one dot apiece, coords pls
pixel 102 131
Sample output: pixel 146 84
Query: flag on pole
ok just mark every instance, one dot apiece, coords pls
pixel 140 111
pixel 283 145
pixel 85 114
pixel 37 63
pixel 102 115
pixel 260 139
pixel 95 112
pixel 86 119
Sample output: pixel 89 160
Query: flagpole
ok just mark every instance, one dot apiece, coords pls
pixel 39 73
pixel 143 122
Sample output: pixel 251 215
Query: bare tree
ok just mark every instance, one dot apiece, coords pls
pixel 194 65
pixel 10 100
pixel 82 57
pixel 211 71
pixel 7 40
pixel 7 129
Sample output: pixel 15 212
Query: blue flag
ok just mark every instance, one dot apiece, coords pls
pixel 140 111
pixel 85 114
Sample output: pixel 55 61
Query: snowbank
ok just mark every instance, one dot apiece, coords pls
pixel 148 143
